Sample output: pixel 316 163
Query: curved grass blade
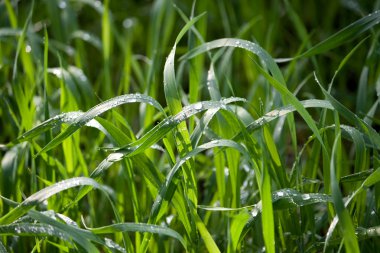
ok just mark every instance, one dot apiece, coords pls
pixel 139 227
pixel 277 81
pixel 96 111
pixel 68 117
pixel 46 193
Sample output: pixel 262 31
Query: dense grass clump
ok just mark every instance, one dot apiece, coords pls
pixel 189 126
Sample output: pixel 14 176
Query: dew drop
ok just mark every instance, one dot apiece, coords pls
pixel 62 4
pixel 255 212
pixel 128 23
pixel 86 37
pixel 18 230
pixel 28 48
pixel 306 196
pixel 198 106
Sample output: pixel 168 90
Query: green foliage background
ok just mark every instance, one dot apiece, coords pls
pixel 174 126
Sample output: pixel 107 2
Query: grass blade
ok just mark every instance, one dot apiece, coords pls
pixel 96 111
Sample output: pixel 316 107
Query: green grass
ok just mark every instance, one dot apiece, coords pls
pixel 189 126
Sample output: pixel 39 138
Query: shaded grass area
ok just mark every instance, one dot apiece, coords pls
pixel 180 126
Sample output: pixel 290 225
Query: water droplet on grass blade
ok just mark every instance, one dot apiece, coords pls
pixel 28 48
pixel 198 106
pixel 62 4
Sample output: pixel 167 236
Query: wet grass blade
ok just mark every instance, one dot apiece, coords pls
pixel 96 111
